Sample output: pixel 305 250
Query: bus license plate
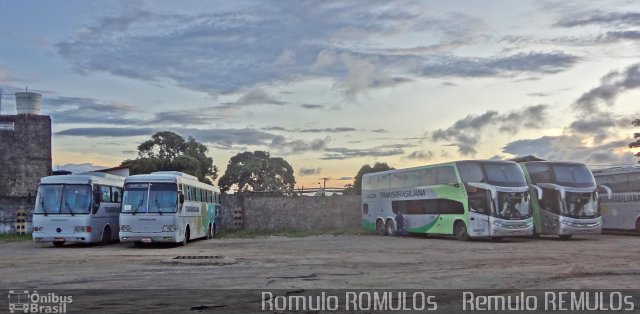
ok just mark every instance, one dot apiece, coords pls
pixel 58 239
pixel 145 240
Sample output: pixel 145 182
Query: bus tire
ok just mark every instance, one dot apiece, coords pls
pixel 460 230
pixel 58 244
pixel 185 241
pixel 390 227
pixel 565 237
pixel 106 236
pixel 380 229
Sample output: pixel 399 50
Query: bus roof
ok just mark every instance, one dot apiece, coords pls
pixel 616 170
pixel 84 178
pixel 170 176
pixel 554 162
pixel 451 163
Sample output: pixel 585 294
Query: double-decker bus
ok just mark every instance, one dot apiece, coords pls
pixel 620 210
pixel 565 198
pixel 168 206
pixel 81 208
pixel 468 199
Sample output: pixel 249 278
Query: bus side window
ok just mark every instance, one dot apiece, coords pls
pixel 427 177
pixel 105 192
pixel 397 180
pixel 446 176
pixel 365 208
pixel 384 182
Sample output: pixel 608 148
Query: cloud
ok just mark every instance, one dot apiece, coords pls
pixel 466 132
pixel 106 132
pixel 342 153
pixel 315 130
pixel 235 49
pixel 77 168
pixel 74 110
pixel 601 125
pixel 297 146
pixel 573 148
pixel 421 155
pixel 611 85
pixel 601 18
pixel 309 171
pixel 254 97
pixel 311 106
pixel 225 138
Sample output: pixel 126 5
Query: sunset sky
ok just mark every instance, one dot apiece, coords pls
pixel 330 85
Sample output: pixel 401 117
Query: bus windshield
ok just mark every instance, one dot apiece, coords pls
pixel 134 198
pixel 574 175
pixel 163 198
pixel 580 205
pixel 63 199
pixel 513 205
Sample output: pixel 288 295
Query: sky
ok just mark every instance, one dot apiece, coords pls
pixel 330 85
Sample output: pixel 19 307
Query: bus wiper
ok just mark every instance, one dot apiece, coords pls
pixel 44 210
pixel 69 208
pixel 138 207
pixel 157 203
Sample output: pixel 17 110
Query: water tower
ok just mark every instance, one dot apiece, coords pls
pixel 28 103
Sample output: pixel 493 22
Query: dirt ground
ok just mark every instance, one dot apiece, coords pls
pixel 331 262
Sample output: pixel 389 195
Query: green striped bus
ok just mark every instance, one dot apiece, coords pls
pixel 468 199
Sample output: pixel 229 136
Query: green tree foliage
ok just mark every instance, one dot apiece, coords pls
pixel 377 167
pixel 636 143
pixel 168 151
pixel 257 171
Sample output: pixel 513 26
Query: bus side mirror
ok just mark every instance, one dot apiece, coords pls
pixel 181 197
pixel 537 189
pixel 606 189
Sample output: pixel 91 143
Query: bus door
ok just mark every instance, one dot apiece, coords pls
pixel 480 208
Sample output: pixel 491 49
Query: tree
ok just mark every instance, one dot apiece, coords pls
pixel 258 171
pixel 377 167
pixel 636 143
pixel 168 151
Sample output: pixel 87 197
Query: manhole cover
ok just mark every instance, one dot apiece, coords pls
pixel 205 260
pixel 199 257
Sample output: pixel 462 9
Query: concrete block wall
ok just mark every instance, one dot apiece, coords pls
pixel 9 209
pixel 302 213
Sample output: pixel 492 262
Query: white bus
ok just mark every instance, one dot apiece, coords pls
pixel 168 206
pixel 82 208
pixel 468 199
pixel 621 211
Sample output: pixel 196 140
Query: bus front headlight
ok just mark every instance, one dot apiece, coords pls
pixel 169 228
pixel 125 228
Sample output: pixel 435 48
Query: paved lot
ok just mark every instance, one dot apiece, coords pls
pixel 349 261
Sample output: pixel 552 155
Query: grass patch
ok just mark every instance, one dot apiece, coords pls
pixel 14 237
pixel 247 234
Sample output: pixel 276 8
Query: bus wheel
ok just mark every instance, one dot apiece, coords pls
pixel 58 244
pixel 461 231
pixel 390 228
pixel 186 238
pixel 106 236
pixel 380 227
pixel 565 237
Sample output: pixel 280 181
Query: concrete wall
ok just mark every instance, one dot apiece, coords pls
pixel 25 154
pixel 302 213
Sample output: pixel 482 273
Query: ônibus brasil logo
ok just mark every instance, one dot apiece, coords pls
pixel 21 301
